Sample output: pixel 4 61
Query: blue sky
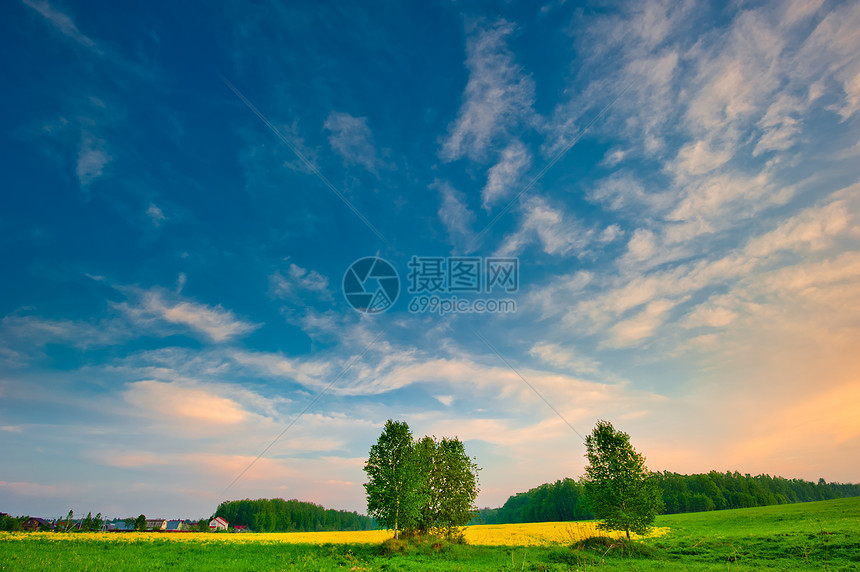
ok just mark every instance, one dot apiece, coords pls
pixel 186 186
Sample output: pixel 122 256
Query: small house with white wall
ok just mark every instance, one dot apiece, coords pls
pixel 218 523
pixel 156 524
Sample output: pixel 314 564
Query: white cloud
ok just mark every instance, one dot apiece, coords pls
pixel 174 404
pixel 832 52
pixel 779 126
pixel 826 283
pixel 613 157
pixel 610 233
pixel 814 228
pixel 505 174
pixel 641 245
pixel 851 86
pixel 155 214
pixel 622 191
pixel 559 233
pixel 719 114
pixel 147 315
pixel 555 354
pixel 798 10
pixel 711 204
pixel 715 313
pixel 61 22
pixel 299 279
pixel 308 372
pixel 158 305
pixel 352 139
pixel 92 157
pixel 35 331
pixel 498 94
pixel 455 214
pixel 600 305
pixel 699 158
pixel 641 326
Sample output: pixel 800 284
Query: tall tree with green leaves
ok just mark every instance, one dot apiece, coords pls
pixel 427 460
pixel 622 493
pixel 140 523
pixel 450 485
pixel 394 491
pixel 457 485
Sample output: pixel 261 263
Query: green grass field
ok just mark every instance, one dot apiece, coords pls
pixel 810 536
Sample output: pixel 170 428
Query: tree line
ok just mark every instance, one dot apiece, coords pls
pixel 566 500
pixel 279 515
pixel 551 502
pixel 420 487
pixel 717 491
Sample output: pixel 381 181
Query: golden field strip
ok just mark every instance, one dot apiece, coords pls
pixel 531 534
pixel 802 536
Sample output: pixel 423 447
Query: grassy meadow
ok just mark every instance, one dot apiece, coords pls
pixel 810 536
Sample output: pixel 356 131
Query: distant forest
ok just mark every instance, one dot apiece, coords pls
pixel 278 515
pixel 559 501
pixel 565 500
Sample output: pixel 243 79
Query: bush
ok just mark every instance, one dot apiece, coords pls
pixel 394 546
pixel 605 546
pixel 428 545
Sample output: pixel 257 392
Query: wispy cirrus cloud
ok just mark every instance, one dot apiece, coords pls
pixel 155 214
pixel 92 158
pixel 148 312
pixel 498 95
pixel 565 357
pixel 297 280
pixel 158 306
pixel 558 232
pixel 28 332
pixel 61 22
pixel 631 308
pixel 455 214
pixel 504 175
pixel 352 138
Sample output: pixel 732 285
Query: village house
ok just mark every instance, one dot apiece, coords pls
pixel 35 523
pixel 156 524
pixel 175 525
pixel 218 523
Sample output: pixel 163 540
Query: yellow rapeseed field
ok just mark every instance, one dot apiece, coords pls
pixel 531 534
pixel 539 533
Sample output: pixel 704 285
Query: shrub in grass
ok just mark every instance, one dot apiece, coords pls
pixel 607 547
pixel 393 546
